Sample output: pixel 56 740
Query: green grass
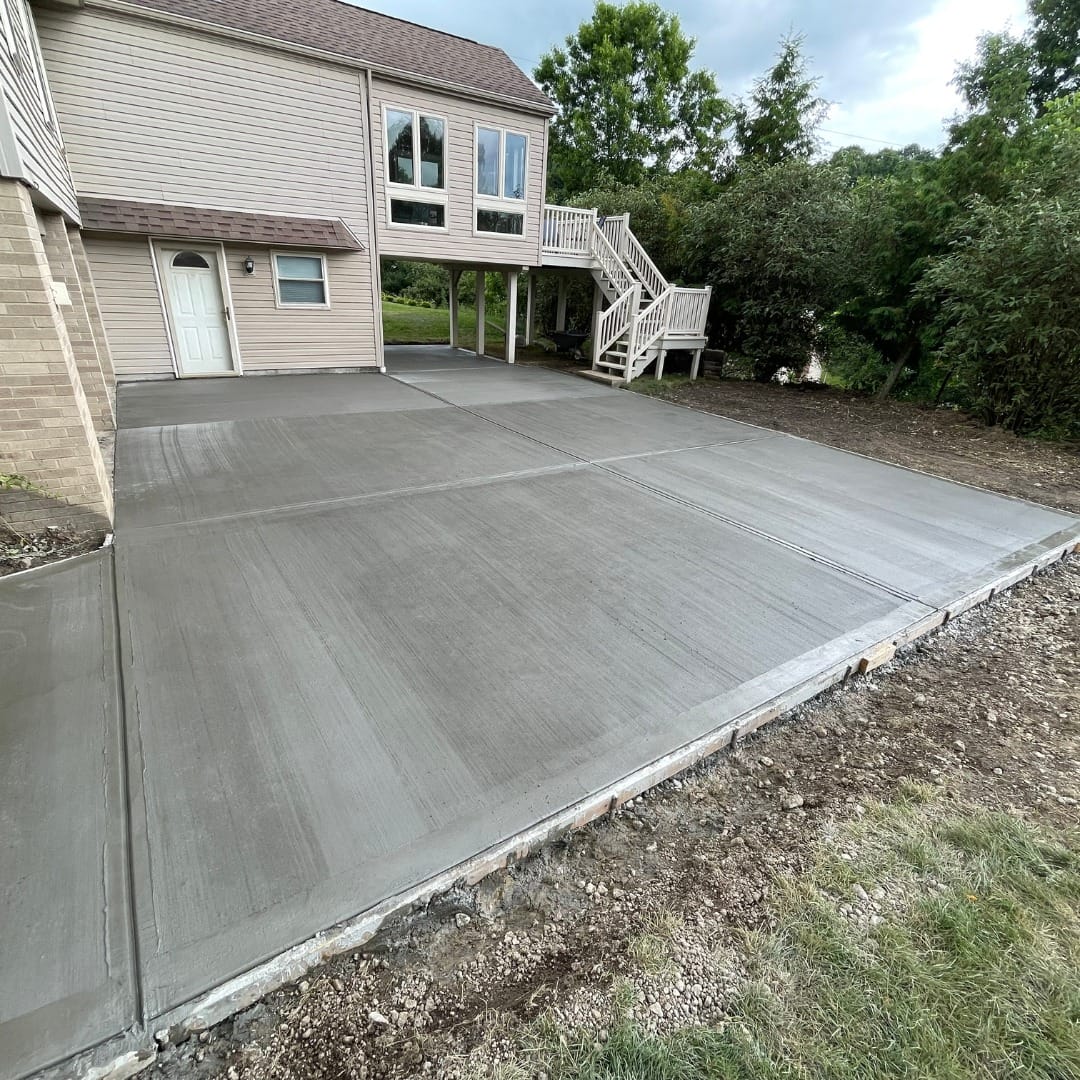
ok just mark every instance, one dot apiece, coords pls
pixel 658 386
pixel 978 979
pixel 405 325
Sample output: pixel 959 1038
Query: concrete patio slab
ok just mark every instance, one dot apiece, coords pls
pixel 931 539
pixel 360 698
pixel 200 401
pixel 499 384
pixel 359 647
pixel 402 358
pixel 66 963
pixel 617 424
pixel 168 475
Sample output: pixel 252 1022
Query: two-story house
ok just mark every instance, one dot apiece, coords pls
pixel 229 175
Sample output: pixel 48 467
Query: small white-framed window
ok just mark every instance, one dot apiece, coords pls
pixel 502 162
pixel 415 168
pixel 300 280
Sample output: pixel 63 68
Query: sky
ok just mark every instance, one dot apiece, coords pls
pixel 885 65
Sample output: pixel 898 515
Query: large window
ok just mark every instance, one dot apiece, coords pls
pixel 501 162
pixel 416 168
pixel 300 280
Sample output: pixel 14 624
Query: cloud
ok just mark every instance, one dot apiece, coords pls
pixel 886 65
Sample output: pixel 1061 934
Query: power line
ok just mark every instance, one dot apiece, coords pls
pixel 862 138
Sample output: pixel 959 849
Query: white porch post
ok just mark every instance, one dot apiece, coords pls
pixel 511 314
pixel 560 308
pixel 696 365
pixel 480 279
pixel 455 279
pixel 530 287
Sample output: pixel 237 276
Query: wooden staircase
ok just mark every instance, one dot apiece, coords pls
pixel 644 316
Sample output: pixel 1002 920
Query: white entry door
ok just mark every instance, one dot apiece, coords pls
pixel 197 311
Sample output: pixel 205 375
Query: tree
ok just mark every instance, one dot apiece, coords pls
pixel 1055 44
pixel 903 221
pixel 781 119
pixel 860 165
pixel 1009 288
pixel 780 247
pixel 629 104
pixel 659 210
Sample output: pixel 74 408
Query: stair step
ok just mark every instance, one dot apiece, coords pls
pixel 600 376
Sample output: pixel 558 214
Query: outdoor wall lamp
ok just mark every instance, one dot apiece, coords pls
pixel 249 265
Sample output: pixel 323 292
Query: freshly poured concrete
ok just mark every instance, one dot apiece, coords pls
pixel 167 475
pixel 617 424
pixel 361 646
pixel 482 386
pixel 198 401
pixel 66 967
pixel 430 674
pixel 927 538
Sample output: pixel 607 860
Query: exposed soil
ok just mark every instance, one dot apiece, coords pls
pixel 651 903
pixel 934 440
pixel 23 551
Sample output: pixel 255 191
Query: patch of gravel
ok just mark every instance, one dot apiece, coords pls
pixel 650 904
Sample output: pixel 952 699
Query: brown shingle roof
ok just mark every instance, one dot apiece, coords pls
pixel 201 223
pixel 370 37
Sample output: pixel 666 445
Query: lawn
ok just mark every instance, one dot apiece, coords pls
pixel 405 325
pixel 964 967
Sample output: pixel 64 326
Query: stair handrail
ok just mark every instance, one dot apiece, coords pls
pixel 612 323
pixel 637 258
pixel 652 322
pixel 609 259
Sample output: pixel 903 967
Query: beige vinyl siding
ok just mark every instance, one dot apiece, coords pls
pixel 276 338
pixel 130 305
pixel 34 133
pixel 270 338
pixel 459 243
pixel 162 114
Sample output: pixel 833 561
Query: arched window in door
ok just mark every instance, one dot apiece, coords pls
pixel 192 260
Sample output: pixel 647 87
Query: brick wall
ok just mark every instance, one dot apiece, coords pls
pixel 47 424
pixel 72 309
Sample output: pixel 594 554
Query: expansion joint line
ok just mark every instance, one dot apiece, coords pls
pixel 601 467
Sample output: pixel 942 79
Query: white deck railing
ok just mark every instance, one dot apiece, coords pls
pixel 689 311
pixel 615 321
pixel 568 231
pixel 652 322
pixel 608 256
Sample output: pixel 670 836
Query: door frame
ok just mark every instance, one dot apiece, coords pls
pixel 158 245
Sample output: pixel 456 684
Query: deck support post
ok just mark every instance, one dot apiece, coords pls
pixel 511 314
pixel 455 279
pixel 695 364
pixel 530 290
pixel 481 278
pixel 560 305
pixel 597 307
pixel 661 356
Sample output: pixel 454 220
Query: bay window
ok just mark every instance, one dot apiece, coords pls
pixel 415 168
pixel 502 158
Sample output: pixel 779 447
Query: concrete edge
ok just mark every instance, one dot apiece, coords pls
pixel 59 564
pixel 134 1051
